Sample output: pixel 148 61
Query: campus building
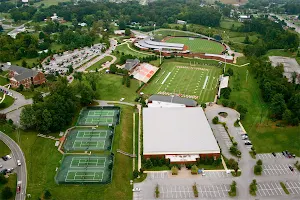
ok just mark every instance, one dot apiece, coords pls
pixel 164 101
pixel 26 77
pixel 182 135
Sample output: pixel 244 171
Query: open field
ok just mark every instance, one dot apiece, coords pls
pixel 12 180
pixel 227 23
pixel 3 81
pixel 197 45
pixel 4 150
pixel 48 3
pixel 123 48
pixel 98 64
pixel 198 81
pixel 264 134
pixel 41 168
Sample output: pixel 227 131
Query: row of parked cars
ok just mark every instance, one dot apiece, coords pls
pixel 9 170
pixel 246 139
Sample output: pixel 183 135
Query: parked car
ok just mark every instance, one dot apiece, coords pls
pixel 9 170
pixel 136 189
pixel 7 157
pixel 18 162
pixel 274 154
pixel 248 142
pixel 291 168
pixel 3 171
pixel 19 187
pixel 244 137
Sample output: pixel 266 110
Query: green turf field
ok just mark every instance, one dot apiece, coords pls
pixel 198 82
pixel 99 64
pixel 197 45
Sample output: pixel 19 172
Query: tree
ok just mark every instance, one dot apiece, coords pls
pixel 7 193
pixel 3 180
pixel 47 194
pixel 215 120
pixel 127 32
pixel 278 106
pixel 38 97
pixel 194 169
pixel 184 28
pixel 41 35
pixel 225 102
pixel 21 87
pixel 257 169
pixel 135 174
pixel 148 164
pixel 174 170
pixel 1 28
pixel 24 63
pixel 230 71
pixel 87 95
pixel 247 40
pixel 259 162
pixel 225 92
pixel 232 104
pixel 122 25
pixel 92 79
pixel 287 116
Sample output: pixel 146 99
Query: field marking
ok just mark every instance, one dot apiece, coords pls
pixel 205 82
pixel 166 78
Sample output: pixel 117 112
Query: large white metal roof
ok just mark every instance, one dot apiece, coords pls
pixel 177 131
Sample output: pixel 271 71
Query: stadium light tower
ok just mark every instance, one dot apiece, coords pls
pixel 160 56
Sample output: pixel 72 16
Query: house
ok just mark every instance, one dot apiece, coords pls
pixel 131 64
pixel 181 22
pixel 182 135
pixel 23 76
pixel 243 18
pixel 164 101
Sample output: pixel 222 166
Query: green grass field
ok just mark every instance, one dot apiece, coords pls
pixel 3 81
pixel 227 24
pixel 98 64
pixel 197 45
pixel 8 101
pixel 42 168
pixel 123 48
pixel 264 134
pixel 4 150
pixel 198 82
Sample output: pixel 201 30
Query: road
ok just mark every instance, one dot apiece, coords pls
pixel 20 101
pixel 17 154
pixel 297 28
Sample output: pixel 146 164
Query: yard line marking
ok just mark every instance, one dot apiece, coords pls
pixel 205 82
pixel 166 78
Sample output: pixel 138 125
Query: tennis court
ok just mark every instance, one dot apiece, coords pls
pixel 85 169
pixel 88 139
pixel 93 116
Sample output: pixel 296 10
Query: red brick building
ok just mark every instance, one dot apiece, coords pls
pixel 26 77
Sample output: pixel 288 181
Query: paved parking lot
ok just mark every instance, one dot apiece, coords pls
pixel 157 175
pixel 264 156
pixel 293 187
pixel 269 189
pixel 137 195
pixel 278 169
pixel 224 135
pixel 217 174
pixel 186 191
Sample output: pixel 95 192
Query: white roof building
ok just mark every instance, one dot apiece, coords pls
pixel 177 133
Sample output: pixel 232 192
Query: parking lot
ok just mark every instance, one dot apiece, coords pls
pixel 157 175
pixel 264 156
pixel 278 169
pixel 186 191
pixel 76 58
pixel 293 187
pixel 269 189
pixel 224 135
pixel 217 174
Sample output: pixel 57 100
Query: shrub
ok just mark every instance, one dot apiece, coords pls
pixel 194 169
pixel 174 170
pixel 284 188
pixel 253 188
pixel 232 191
pixel 259 162
pixel 47 195
pixel 225 102
pixel 157 191
pixel 257 169
pixel 215 120
pixel 232 104
pixel 195 189
pixel 135 174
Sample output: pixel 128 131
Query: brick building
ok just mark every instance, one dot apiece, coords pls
pixel 181 135
pixel 26 77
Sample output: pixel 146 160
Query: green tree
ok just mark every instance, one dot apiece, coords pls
pixel 41 35
pixel 21 87
pixel 3 180
pixel 87 95
pixel 127 32
pixel 230 71
pixel 247 40
pixel 278 106
pixel 7 193
pixel 24 63
pixel 47 194
pixel 174 170
pixel 225 92
pixel 38 97
pixel 92 79
pixel 215 120
pixel 287 116
pixel 257 169
pixel 194 169
pixel 259 162
pixel 135 174
pixel 1 28
pixel 184 28
pixel 27 117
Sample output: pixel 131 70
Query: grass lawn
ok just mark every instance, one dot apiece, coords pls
pixel 161 33
pixel 29 94
pixel 109 87
pixel 12 183
pixel 227 24
pixel 48 3
pixel 4 150
pixel 3 81
pixel 197 45
pixel 126 50
pixel 29 61
pixel 264 134
pixel 42 168
pixel 8 101
pixel 99 63
pixel 198 82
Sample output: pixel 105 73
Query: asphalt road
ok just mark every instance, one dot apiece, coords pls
pixel 17 154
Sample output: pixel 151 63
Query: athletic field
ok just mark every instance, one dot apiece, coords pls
pixel 85 169
pixel 197 45
pixel 99 116
pixel 84 139
pixel 195 81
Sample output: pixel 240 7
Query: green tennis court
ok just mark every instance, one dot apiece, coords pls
pixel 104 113
pixel 88 144
pixel 91 134
pixel 96 120
pixel 85 169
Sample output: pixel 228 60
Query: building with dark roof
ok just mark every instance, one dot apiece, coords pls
pixel 26 77
pixel 131 64
pixel 170 101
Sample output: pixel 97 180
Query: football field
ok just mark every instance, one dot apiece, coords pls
pixel 195 81
pixel 197 45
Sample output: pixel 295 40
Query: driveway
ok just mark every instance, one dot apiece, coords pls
pixel 17 154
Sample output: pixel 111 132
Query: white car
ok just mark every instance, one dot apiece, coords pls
pixel 18 162
pixel 1 166
pixel 136 189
